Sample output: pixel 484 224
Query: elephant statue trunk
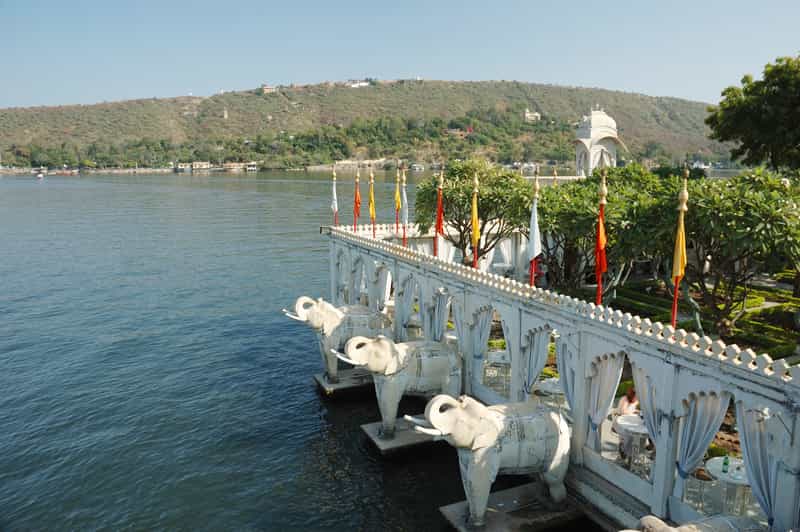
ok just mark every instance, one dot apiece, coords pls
pixel 420 367
pixel 514 438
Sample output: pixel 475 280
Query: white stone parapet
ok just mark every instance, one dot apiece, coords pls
pixel 680 342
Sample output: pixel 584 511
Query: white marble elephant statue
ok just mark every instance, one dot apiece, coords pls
pixel 335 325
pixel 513 438
pixel 715 523
pixel 421 367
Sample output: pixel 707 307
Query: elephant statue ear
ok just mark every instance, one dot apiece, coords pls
pixel 443 412
pixel 396 358
pixel 486 433
pixel 332 317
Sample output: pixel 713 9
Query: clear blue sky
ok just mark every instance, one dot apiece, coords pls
pixel 84 51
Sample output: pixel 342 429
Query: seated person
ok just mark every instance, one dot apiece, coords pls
pixel 628 403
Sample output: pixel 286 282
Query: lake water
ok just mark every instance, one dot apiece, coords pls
pixel 148 379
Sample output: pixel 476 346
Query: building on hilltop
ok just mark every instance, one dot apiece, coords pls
pixel 268 89
pixel 531 116
pixel 596 143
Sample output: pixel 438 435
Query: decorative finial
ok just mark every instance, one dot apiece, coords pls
pixel 536 184
pixel 683 195
pixel 475 182
pixel 404 176
pixel 398 172
pixel 441 178
pixel 358 172
pixel 603 187
pixel 371 174
pixel 555 176
pixel 334 170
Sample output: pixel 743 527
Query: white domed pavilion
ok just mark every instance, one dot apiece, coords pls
pixel 596 143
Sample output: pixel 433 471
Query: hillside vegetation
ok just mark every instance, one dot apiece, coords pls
pixel 648 125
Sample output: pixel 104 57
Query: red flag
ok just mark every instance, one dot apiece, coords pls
pixel 356 206
pixel 600 264
pixel 439 230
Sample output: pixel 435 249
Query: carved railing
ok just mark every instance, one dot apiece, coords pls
pixel 678 341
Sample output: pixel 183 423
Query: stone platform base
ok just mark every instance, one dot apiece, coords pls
pixel 404 437
pixel 525 507
pixel 349 380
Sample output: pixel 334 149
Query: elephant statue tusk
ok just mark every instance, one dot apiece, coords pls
pixel 292 315
pixel 341 356
pixel 430 432
pixel 418 421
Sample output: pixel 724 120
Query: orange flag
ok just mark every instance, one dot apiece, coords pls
pixel 600 263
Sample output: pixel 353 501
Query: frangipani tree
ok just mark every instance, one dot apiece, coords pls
pixel 568 216
pixel 738 227
pixel 504 200
pixel 735 228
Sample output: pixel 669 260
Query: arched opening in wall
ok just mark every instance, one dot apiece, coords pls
pixel 493 369
pixel 407 309
pixel 503 258
pixel 341 295
pixel 545 383
pixel 383 289
pixel 415 328
pixel 716 476
pixel 359 283
pixel 624 435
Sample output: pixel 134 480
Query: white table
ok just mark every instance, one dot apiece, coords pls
pixel 633 433
pixel 551 388
pixel 735 479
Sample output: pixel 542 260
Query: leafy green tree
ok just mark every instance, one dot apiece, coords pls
pixel 762 116
pixel 504 199
pixel 738 227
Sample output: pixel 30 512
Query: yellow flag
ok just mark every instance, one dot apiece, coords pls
pixel 371 201
pixel 476 230
pixel 679 257
pixel 397 202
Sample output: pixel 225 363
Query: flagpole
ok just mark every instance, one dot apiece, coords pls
pixel 534 260
pixel 439 215
pixel 679 257
pixel 397 200
pixel 372 199
pixel 476 235
pixel 335 203
pixel 600 248
pixel 405 206
pixel 357 200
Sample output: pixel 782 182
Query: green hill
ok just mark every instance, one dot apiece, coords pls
pixel 647 124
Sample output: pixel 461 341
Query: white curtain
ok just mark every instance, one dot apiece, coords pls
pixel 439 314
pixel 535 354
pixel 603 385
pixel 381 289
pixel 447 250
pixel 761 466
pixel 481 328
pixel 506 248
pixel 704 415
pixel 462 329
pixel 486 261
pixel 422 245
pixel 646 393
pixel 566 374
pixel 403 308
